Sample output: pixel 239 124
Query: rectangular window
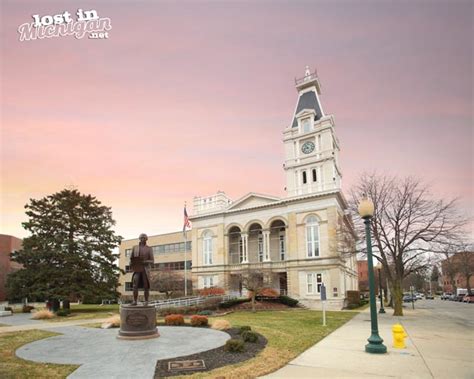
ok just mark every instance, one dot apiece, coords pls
pixel 312 240
pixel 127 269
pixel 208 281
pixel 128 286
pixel 128 252
pixel 314 281
pixel 208 251
pixel 310 283
pixel 306 125
pixel 315 177
pixel 304 177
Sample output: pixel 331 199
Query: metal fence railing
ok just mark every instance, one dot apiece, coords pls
pixel 188 301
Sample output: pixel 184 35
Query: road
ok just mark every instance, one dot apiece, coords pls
pixel 450 314
pixel 443 333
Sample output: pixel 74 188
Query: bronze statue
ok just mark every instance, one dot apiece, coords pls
pixel 141 260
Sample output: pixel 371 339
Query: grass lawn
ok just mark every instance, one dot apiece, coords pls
pixel 13 367
pixel 289 333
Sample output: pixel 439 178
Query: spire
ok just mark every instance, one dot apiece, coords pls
pixel 308 88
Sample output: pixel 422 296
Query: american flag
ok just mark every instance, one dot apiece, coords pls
pixel 186 221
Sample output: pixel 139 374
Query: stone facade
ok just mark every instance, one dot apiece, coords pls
pixel 296 242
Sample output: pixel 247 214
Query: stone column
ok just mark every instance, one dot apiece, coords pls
pixel 266 246
pixel 245 247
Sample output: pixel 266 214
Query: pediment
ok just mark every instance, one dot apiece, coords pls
pixel 253 200
pixel 305 112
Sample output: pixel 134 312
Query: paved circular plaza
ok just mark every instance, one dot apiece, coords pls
pixel 101 354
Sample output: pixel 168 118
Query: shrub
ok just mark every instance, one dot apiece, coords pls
pixel 234 345
pixel 42 314
pixel 174 319
pixel 249 336
pixel 288 301
pixel 63 312
pixel 27 308
pixel 220 325
pixel 212 303
pixel 205 313
pixel 268 292
pixel 245 328
pixel 197 320
pixel 211 291
pixel 178 310
pixel 353 297
pixel 230 303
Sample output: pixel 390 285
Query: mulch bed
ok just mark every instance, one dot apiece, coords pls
pixel 261 306
pixel 214 358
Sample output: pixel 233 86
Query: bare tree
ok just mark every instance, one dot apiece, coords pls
pixel 166 281
pixel 254 280
pixel 407 223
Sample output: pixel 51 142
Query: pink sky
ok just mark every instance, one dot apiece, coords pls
pixel 187 98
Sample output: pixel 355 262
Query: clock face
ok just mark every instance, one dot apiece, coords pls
pixel 307 147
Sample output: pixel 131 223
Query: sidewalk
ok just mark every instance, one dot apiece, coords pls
pixel 434 350
pixel 21 322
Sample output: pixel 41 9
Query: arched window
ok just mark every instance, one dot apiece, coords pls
pixel 304 177
pixel 315 177
pixel 312 237
pixel 207 248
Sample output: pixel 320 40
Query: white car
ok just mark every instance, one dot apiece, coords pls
pixel 418 296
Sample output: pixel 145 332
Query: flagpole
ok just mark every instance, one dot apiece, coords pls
pixel 185 264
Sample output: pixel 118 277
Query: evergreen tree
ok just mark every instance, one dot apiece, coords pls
pixel 69 253
pixel 435 274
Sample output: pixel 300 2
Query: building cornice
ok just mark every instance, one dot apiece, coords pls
pixel 284 201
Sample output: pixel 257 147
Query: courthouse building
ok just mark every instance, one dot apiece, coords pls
pixel 298 241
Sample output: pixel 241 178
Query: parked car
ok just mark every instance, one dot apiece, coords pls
pixel 460 297
pixel 408 298
pixel 418 296
pixel 446 295
pixel 429 296
pixel 452 297
pixel 468 298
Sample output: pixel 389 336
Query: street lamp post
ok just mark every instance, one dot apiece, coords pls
pixel 375 345
pixel 381 310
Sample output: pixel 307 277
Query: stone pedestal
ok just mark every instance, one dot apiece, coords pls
pixel 137 322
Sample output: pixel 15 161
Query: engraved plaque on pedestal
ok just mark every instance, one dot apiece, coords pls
pixel 137 322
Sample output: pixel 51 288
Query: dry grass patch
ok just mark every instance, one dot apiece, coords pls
pixel 43 314
pixel 220 324
pixel 114 321
pixel 13 367
pixel 289 333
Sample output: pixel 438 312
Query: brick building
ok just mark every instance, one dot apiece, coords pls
pixel 453 271
pixel 8 244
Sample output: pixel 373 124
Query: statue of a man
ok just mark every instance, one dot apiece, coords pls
pixel 141 260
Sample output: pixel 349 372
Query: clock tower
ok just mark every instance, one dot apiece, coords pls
pixel 311 145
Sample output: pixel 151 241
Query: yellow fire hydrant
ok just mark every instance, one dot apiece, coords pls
pixel 399 336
